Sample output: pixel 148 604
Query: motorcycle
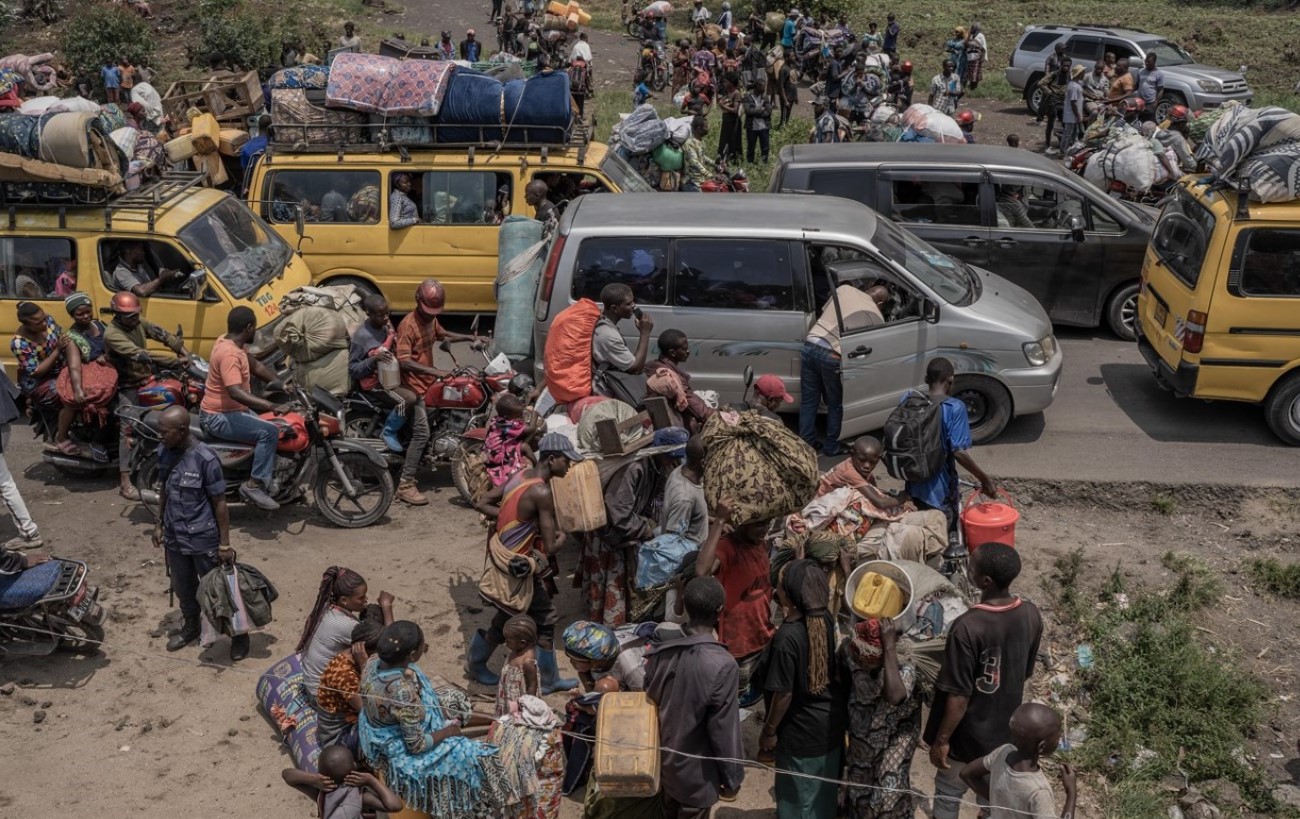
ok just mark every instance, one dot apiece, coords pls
pixel 184 385
pixel 48 607
pixel 459 408
pixel 349 480
pixel 654 62
pixel 724 181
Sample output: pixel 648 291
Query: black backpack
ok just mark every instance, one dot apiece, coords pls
pixel 914 445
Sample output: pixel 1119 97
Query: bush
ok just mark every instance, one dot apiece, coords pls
pixel 241 34
pixel 47 11
pixel 104 34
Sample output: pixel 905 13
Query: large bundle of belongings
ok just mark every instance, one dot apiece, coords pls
pixel 67 156
pixel 653 146
pixel 314 334
pixel 1127 154
pixel 1255 147
pixel 376 98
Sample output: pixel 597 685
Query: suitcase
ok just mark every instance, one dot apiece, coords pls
pixel 627 745
pixel 579 499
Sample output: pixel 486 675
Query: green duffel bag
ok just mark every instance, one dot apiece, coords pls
pixel 667 157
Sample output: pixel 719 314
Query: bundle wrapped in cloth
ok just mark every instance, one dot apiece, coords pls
pixel 1259 146
pixel 765 469
pixel 1128 158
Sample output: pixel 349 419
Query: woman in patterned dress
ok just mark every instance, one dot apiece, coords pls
pixel 405 733
pixel 884 723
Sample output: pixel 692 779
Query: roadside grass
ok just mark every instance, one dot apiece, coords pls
pixel 1274 577
pixel 1161 700
pixel 1219 35
pixel 1164 504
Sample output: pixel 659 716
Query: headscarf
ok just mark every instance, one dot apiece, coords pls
pixel 76 301
pixel 866 642
pixel 668 436
pixel 591 641
pixel 805 585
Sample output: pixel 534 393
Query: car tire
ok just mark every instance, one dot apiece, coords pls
pixel 988 405
pixel 1170 100
pixel 1121 311
pixel 1033 94
pixel 1282 410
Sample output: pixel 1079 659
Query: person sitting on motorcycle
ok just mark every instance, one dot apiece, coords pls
pixel 12 562
pixel 695 169
pixel 417 334
pixel 229 408
pixel 134 273
pixel 87 362
pixel 193 521
pixel 1175 137
pixel 125 337
pixel 40 348
pixel 373 342
pixel 508 446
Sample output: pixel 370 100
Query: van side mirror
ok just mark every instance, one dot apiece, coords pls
pixel 1076 228
pixel 749 376
pixel 930 311
pixel 299 221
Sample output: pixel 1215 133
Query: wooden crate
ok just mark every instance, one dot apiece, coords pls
pixel 228 96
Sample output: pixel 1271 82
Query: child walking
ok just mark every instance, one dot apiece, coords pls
pixel 519 674
pixel 1010 777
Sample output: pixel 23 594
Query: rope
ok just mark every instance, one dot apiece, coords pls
pixel 747 763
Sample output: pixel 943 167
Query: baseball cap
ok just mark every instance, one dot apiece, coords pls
pixel 771 386
pixel 558 443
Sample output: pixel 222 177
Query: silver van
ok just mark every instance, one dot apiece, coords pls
pixel 745 277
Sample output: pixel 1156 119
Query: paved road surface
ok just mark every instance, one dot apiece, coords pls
pixel 1110 422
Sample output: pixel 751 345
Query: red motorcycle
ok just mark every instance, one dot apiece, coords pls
pixel 724 181
pixel 459 408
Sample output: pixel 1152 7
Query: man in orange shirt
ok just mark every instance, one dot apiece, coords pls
pixel 229 406
pixel 417 334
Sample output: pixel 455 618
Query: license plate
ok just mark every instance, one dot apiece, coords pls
pixel 79 611
pixel 1161 313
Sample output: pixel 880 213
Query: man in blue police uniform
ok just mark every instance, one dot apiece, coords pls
pixel 193 521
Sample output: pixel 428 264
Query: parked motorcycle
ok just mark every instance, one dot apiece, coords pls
pixel 48 607
pixel 182 385
pixel 348 480
pixel 726 181
pixel 458 406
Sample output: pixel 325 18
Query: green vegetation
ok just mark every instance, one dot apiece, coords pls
pixel 241 31
pixel 104 34
pixel 1261 34
pixel 1276 578
pixel 1164 503
pixel 1161 701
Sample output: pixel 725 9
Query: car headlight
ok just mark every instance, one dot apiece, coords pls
pixel 1211 86
pixel 1038 353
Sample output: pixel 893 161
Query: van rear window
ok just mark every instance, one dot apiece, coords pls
pixel 1182 236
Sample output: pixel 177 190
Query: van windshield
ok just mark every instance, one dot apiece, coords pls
pixel 237 247
pixel 950 279
pixel 1182 236
pixel 624 175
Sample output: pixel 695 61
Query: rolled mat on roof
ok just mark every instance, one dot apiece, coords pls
pixel 74 140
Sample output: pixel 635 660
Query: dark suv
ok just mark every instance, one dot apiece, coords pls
pixel 1015 213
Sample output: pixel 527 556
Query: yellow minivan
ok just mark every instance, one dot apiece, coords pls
pixel 1219 305
pixel 230 256
pixel 461 193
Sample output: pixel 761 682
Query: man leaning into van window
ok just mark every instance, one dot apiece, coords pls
pixel 134 273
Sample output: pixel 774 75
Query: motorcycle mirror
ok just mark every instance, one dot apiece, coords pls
pixel 473 325
pixel 180 331
pixel 445 346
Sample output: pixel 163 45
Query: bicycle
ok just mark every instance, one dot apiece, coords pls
pixel 956 558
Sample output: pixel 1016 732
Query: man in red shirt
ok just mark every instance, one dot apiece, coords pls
pixel 418 332
pixel 741 562
pixel 229 407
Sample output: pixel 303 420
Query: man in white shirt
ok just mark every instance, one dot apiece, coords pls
pixel 849 310
pixel 581 49
pixel 700 15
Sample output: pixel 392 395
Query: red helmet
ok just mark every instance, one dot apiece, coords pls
pixel 965 117
pixel 431 296
pixel 124 302
pixel 1134 105
pixel 1178 113
pixel 906 67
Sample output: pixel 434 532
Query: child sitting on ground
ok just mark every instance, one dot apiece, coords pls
pixel 506 450
pixel 343 792
pixel 1010 778
pixel 519 674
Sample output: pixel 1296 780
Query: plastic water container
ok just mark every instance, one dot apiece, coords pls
pixel 627 745
pixel 989 521
pixel 905 618
pixel 579 498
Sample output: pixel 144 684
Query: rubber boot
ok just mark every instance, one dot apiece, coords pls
pixel 392 426
pixel 550 673
pixel 480 651
pixel 189 633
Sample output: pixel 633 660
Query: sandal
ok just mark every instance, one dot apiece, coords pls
pixel 69 447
